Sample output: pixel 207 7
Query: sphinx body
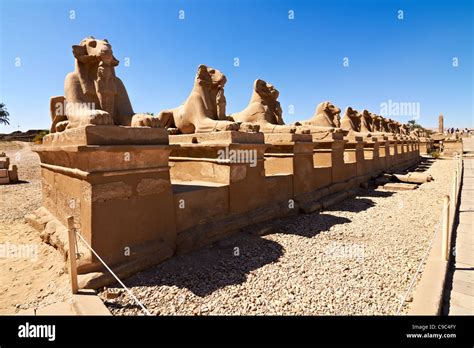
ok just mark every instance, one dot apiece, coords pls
pixel 376 123
pixel 380 126
pixel 264 110
pixel 326 118
pixel 398 127
pixel 93 94
pixel 405 129
pixel 392 126
pixel 204 109
pixel 384 124
pixel 415 133
pixel 351 122
pixel 366 122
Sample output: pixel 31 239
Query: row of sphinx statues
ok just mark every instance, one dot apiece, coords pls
pixel 93 84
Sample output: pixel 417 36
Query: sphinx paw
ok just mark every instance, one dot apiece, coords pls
pixel 302 130
pixel 173 131
pixel 249 127
pixel 231 126
pixel 61 126
pixel 141 120
pixel 98 118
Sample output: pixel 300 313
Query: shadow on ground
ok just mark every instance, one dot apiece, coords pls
pixel 211 268
pixel 424 165
pixel 228 262
pixel 19 182
pixel 310 225
pixel 362 202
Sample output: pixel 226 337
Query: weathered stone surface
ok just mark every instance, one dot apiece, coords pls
pixel 152 186
pixel 4 180
pixel 93 94
pixel 327 116
pixel 111 192
pixel 204 109
pixel 4 162
pixel 351 120
pixel 13 173
pixel 398 186
pixel 8 172
pixel 414 177
pixel 108 135
pixel 310 207
pixel 224 137
pixel 114 193
pixel 264 110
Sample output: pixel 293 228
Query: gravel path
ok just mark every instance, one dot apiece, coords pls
pixel 355 259
pixel 37 277
pixel 22 198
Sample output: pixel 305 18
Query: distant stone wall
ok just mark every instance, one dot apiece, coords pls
pixel 22 136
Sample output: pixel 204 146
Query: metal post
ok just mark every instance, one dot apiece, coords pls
pixel 72 253
pixel 445 230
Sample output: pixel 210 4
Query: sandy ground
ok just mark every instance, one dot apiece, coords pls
pixel 357 258
pixel 32 274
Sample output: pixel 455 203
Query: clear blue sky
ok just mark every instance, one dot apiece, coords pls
pixel 409 60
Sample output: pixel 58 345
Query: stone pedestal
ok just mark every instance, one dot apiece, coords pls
pixel 220 186
pixel 424 146
pixel 402 149
pixel 4 178
pixel 228 158
pixel 383 153
pixel 329 152
pixel 372 155
pixel 415 148
pixel 392 152
pixel 354 153
pixel 399 150
pixel 291 154
pixel 364 150
pixel 452 147
pixel 117 189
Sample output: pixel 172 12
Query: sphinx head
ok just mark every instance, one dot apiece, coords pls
pixel 352 113
pixel 210 77
pixel 376 121
pixel 328 108
pixel 331 112
pixel 366 115
pixel 91 50
pixel 265 90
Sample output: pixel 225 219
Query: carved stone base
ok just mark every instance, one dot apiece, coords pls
pixel 120 195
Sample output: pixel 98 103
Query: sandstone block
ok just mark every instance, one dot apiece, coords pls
pixel 4 178
pixel 13 173
pixel 4 162
pixel 397 186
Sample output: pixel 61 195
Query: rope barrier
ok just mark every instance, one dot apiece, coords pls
pixel 115 276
